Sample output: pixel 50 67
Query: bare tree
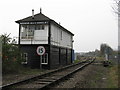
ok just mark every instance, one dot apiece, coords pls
pixel 116 6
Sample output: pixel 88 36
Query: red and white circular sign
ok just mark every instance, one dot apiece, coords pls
pixel 40 50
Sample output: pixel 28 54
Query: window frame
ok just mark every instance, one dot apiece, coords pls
pixel 27 30
pixel 25 57
pixel 40 27
pixel 45 59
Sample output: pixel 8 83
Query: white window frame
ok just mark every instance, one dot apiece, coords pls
pixel 43 57
pixel 25 56
pixel 28 30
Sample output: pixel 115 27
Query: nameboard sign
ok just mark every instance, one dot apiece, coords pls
pixel 34 23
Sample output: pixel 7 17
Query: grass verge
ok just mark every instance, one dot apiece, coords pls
pixel 112 81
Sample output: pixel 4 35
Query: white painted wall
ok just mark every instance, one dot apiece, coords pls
pixel 33 42
pixel 65 41
pixel 40 37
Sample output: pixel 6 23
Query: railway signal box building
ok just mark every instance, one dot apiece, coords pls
pixel 39 30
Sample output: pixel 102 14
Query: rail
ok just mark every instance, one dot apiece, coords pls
pixel 44 81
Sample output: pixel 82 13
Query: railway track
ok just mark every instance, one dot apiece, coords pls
pixel 48 79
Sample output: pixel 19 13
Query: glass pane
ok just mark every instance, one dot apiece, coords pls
pixel 42 58
pixel 37 27
pixel 46 57
pixel 25 57
pixel 31 27
pixel 42 27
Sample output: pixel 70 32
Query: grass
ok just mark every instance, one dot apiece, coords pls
pixel 96 80
pixel 24 71
pixel 113 77
pixel 30 71
pixel 21 75
pixel 100 58
pixel 77 61
pixel 103 77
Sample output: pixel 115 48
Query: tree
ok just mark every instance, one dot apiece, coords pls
pixel 116 6
pixel 105 49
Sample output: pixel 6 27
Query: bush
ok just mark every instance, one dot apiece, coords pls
pixel 11 57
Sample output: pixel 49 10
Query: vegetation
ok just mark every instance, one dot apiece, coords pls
pixel 11 57
pixel 113 77
pixel 77 61
pixel 105 49
pixel 103 77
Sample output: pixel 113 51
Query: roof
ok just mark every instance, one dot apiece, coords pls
pixel 40 17
pixel 37 17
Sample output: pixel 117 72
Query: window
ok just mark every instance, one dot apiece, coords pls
pixel 27 31
pixel 23 31
pixel 25 58
pixel 37 27
pixel 24 27
pixel 45 59
pixel 40 27
pixel 31 27
pixel 30 33
pixel 61 35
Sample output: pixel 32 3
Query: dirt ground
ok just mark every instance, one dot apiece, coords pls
pixel 11 78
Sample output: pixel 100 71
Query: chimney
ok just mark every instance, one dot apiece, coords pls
pixel 33 13
pixel 40 10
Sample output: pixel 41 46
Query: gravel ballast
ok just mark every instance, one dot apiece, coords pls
pixel 91 76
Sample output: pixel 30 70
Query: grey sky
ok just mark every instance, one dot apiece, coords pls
pixel 92 21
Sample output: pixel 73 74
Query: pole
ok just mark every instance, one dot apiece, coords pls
pixel 40 61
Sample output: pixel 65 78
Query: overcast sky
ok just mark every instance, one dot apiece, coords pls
pixel 92 21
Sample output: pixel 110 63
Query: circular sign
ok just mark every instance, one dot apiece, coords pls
pixel 40 50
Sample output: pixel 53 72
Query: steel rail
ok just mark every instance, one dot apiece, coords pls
pixel 66 76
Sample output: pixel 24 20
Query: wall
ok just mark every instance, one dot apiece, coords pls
pixel 60 38
pixel 60 56
pixel 33 57
pixel 54 57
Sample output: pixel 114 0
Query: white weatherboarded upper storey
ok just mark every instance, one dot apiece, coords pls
pixel 60 37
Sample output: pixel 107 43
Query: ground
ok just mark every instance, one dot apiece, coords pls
pixel 23 74
pixel 90 77
pixel 93 76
